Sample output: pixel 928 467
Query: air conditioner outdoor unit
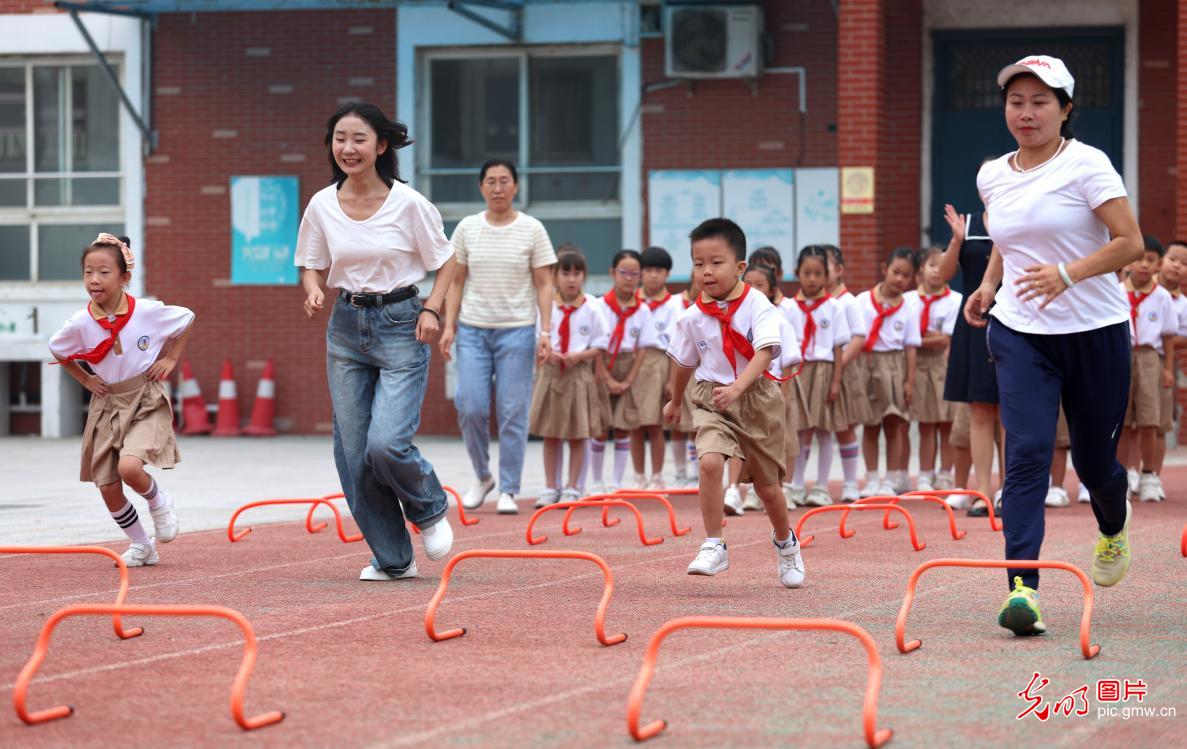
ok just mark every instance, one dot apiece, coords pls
pixel 713 41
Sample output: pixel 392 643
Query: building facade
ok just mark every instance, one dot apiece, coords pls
pixel 617 147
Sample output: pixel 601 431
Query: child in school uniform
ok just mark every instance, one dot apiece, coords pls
pixel 564 397
pixel 938 307
pixel 684 449
pixel 822 326
pixel 130 346
pixel 1171 275
pixel 888 341
pixel 854 376
pixel 619 406
pixel 652 383
pixel 1154 324
pixel 727 341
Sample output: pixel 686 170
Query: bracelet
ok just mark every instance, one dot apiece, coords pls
pixel 432 312
pixel 1067 279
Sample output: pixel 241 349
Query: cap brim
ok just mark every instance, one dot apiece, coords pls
pixel 1009 71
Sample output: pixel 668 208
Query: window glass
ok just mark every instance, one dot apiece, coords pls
pixel 94 121
pixel 59 248
pixel 48 151
pixel 12 135
pixel 475 111
pixel 15 253
pixel 598 239
pixel 574 110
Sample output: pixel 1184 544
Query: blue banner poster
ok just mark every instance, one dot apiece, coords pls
pixel 264 230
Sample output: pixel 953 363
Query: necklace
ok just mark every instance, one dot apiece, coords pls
pixel 1018 167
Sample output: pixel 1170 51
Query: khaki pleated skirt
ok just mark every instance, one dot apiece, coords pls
pixel 625 408
pixel 887 393
pixel 564 403
pixel 135 419
pixel 855 395
pixel 927 401
pixel 649 387
pixel 813 411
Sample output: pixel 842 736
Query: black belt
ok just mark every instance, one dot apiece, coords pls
pixel 378 300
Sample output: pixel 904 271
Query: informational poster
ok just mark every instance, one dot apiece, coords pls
pixel 817 207
pixel 857 189
pixel 678 200
pixel 762 202
pixel 264 213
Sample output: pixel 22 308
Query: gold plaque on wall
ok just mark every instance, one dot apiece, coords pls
pixel 857 189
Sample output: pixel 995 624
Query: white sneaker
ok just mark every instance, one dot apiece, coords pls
pixel 733 501
pixel 547 497
pixel 570 494
pixel 795 495
pixel 1134 481
pixel 791 564
pixel 476 494
pixel 141 555
pixel 885 489
pixel 657 482
pixel 850 492
pixel 925 482
pixel 752 502
pixel 1161 491
pixel 1057 497
pixel 437 540
pixel 818 497
pixel 694 481
pixel 596 489
pixel 872 488
pixel 1084 496
pixel 640 482
pixel 997 501
pixel 958 501
pixel 164 518
pixel 370 573
pixel 901 481
pixel 1149 488
pixel 506 505
pixel 945 480
pixel 711 559
pixel 681 479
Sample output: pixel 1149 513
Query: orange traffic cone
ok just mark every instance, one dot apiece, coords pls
pixel 264 411
pixel 193 407
pixel 227 423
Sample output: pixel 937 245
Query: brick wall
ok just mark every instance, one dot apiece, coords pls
pixel 1157 26
pixel 27 6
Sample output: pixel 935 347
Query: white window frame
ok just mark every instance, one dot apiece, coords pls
pixel 34 216
pixel 543 210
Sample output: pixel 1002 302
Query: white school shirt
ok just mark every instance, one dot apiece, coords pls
pixel 697 339
pixel 587 327
pixel 393 248
pixel 789 356
pixel 1157 317
pixel 151 326
pixel 658 332
pixel 853 316
pixel 1181 310
pixel 899 331
pixel 1043 217
pixel 832 327
pixel 635 325
pixel 943 313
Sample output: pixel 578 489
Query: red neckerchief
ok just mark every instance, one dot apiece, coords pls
pixel 112 323
pixel 876 326
pixel 733 342
pixel 808 307
pixel 566 312
pixel 620 326
pixel 1135 300
pixel 654 305
pixel 925 316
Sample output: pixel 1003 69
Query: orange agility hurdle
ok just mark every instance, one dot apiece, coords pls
pixel 684 491
pixel 1183 542
pixel 588 503
pixel 120 632
pixel 890 525
pixel 315 501
pixel 63 711
pixel 607 522
pixel 995 523
pixel 1086 647
pixel 869 713
pixel 461 510
pixel 599 616
pixel 846 509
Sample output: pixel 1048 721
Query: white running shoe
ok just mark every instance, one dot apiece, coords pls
pixel 437 540
pixel 370 573
pixel 711 559
pixel 997 501
pixel 795 495
pixel 164 518
pixel 141 555
pixel 885 489
pixel 818 496
pixel 1057 497
pixel 752 501
pixel 1149 488
pixel 570 494
pixel 850 492
pixel 733 501
pixel 1161 491
pixel 547 497
pixel 595 489
pixel 656 483
pixel 945 480
pixel 1084 496
pixel 681 479
pixel 958 501
pixel 640 482
pixel 872 488
pixel 476 494
pixel 791 564
pixel 1131 475
pixel 925 482
pixel 694 481
pixel 506 505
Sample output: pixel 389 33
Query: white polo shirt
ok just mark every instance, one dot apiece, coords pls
pixel 393 248
pixel 899 331
pixel 1156 317
pixel 789 348
pixel 853 315
pixel 1181 310
pixel 151 326
pixel 832 327
pixel 635 325
pixel 587 327
pixel 943 313
pixel 1045 216
pixel 658 333
pixel 697 338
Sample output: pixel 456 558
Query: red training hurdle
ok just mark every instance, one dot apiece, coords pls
pixel 315 501
pixel 588 503
pixel 608 522
pixel 890 525
pixel 846 509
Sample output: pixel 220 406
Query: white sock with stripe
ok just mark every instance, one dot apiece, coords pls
pixel 127 518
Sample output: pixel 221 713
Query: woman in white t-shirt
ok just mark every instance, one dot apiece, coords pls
pixel 500 309
pixel 372 238
pixel 1061 225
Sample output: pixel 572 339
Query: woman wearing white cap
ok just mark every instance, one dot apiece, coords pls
pixel 1061 226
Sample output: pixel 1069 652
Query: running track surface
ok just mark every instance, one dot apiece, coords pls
pixel 350 664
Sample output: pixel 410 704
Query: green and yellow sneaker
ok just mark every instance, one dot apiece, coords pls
pixel 1020 612
pixel 1111 560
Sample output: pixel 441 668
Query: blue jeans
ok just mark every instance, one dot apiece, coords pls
pixel 507 355
pixel 1089 373
pixel 378 372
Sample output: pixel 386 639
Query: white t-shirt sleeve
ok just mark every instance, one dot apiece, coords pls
pixel 313 251
pixel 955 306
pixel 429 234
pixel 68 340
pixel 1099 180
pixel 841 332
pixel 599 335
pixel 764 327
pixel 171 321
pixel 912 337
pixel 683 348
